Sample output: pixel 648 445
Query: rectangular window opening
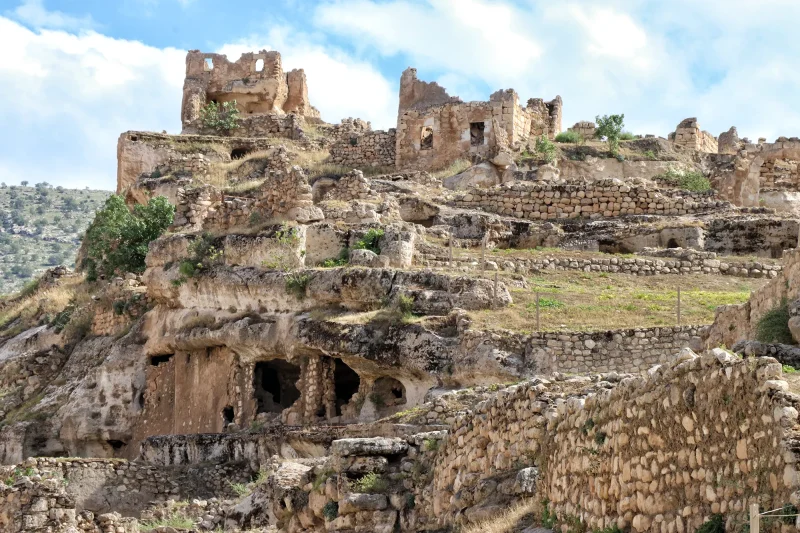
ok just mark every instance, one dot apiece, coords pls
pixel 209 63
pixel 476 130
pixel 426 138
pixel 260 65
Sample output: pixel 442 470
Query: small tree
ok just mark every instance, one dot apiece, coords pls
pixel 610 127
pixel 545 149
pixel 117 240
pixel 218 117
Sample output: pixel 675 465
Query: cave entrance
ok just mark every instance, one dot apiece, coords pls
pixel 228 415
pixel 672 243
pixel 388 392
pixel 345 384
pixel 274 385
pixel 239 153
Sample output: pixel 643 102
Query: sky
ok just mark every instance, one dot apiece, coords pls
pixel 75 74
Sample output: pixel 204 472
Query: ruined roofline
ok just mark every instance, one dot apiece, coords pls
pixel 418 95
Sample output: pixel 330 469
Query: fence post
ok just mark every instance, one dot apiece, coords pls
pixel 538 325
pixel 754 518
pixel 679 306
pixel 483 254
pixel 450 252
pixel 494 292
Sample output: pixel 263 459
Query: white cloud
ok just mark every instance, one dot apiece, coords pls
pixel 70 96
pixel 477 38
pixel 338 85
pixel 33 13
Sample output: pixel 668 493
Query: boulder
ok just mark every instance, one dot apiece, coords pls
pixel 794 327
pixel 483 175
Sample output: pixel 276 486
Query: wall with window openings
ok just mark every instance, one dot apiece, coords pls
pixel 435 129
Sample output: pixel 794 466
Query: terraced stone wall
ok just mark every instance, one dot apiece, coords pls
pixel 699 436
pixel 607 198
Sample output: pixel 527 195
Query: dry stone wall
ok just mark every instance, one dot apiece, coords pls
pixel 689 262
pixel 697 437
pixel 738 322
pixel 606 198
pixel 368 149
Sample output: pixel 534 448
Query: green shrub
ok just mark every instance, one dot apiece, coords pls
pixel 789 369
pixel 297 284
pixel 651 155
pixel 773 327
pixel 548 518
pixel 241 489
pixel 371 241
pixel 371 483
pixel 569 137
pixel 218 117
pixel 342 260
pixel 715 525
pixel 610 127
pixel 405 304
pixel 545 149
pixel 284 256
pixel 119 307
pixel 550 303
pixel 626 136
pixel 430 445
pixel 330 511
pixel 118 239
pixel 688 180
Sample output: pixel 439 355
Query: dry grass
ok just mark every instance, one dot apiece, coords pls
pixel 456 167
pixel 25 312
pixel 513 520
pixel 596 301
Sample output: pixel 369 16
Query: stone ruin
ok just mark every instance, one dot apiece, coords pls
pixel 311 348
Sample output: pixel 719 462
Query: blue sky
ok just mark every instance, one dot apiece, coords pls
pixel 76 74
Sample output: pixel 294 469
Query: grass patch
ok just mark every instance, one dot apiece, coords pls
pixel 773 327
pixel 510 521
pixel 569 137
pixel 176 520
pixel 297 284
pixel 688 180
pixel 456 167
pixel 597 301
pixel 370 241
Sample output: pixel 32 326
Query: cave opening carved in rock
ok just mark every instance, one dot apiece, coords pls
pixel 274 384
pixel 345 384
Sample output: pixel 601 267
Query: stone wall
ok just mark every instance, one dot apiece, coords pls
pixel 697 437
pixel 435 129
pixel 753 236
pixel 689 136
pixel 687 262
pixel 369 149
pixel 289 126
pixel 734 323
pixel 584 128
pixel 606 198
pixel 628 350
pixel 283 195
pixel 256 82
pixel 142 153
pixel 99 485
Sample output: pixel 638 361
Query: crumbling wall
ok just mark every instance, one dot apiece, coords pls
pixel 607 198
pixel 755 236
pixel 738 322
pixel 256 82
pixel 435 129
pixel 688 135
pixel 369 149
pixel 585 129
pixel 697 437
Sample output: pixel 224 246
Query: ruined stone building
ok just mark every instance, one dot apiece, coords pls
pixel 256 81
pixel 434 129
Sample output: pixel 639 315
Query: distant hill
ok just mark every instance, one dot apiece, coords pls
pixel 40 227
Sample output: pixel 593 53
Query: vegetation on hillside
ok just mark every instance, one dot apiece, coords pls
pixel 610 128
pixel 118 238
pixel 41 227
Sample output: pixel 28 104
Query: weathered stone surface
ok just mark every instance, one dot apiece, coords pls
pixel 353 503
pixel 368 446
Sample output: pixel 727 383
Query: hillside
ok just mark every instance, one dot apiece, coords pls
pixel 40 227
